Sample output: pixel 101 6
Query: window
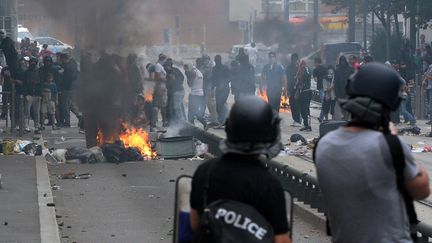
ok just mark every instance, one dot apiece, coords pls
pixel 297 6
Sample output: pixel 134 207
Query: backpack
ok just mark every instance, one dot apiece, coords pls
pixel 228 221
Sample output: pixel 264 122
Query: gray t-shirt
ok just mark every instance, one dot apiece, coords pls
pixel 358 181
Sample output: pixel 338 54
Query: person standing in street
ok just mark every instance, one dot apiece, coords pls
pixel 318 74
pixel 234 76
pixel 45 52
pixel 291 72
pixel 427 86
pixel 196 107
pixel 6 85
pixel 176 93
pixel 239 175
pixel 68 85
pixel 329 95
pixel 7 46
pixel 367 174
pixel 220 81
pixel 206 67
pixel 303 94
pixel 253 54
pixel 273 77
pixel 245 85
pixel 160 93
pixel 49 101
pixel 342 73
pixel 33 93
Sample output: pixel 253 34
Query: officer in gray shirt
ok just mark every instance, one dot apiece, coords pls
pixel 355 167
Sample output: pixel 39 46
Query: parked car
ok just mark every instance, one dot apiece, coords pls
pixel 54 45
pixel 329 53
pixel 23 32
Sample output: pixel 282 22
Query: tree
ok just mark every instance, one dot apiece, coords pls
pixel 387 12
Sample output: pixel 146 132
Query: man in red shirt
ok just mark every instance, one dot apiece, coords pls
pixel 45 52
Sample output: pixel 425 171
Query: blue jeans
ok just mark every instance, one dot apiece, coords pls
pixel 407 116
pixel 176 109
pixel 196 109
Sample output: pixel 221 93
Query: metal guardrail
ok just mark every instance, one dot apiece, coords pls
pixel 301 186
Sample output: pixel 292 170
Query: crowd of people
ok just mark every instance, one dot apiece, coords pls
pixel 41 83
pixel 45 83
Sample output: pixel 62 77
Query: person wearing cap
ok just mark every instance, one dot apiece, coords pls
pixel 367 175
pixel 273 77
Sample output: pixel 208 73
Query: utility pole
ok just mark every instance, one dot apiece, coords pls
pixel 365 14
pixel 315 24
pixel 286 11
pixel 351 20
pixel 388 36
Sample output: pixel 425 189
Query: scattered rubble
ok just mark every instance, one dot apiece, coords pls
pixel 73 175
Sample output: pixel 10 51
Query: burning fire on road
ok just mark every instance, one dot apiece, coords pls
pixel 284 103
pixel 131 137
pixel 137 138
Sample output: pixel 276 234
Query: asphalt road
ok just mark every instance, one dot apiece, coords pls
pixel 130 202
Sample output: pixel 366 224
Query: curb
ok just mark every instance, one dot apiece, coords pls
pixel 47 214
pixel 310 216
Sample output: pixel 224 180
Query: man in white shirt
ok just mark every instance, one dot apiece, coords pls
pixel 253 54
pixel 196 108
pixel 160 95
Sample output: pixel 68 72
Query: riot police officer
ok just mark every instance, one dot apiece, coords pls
pixel 253 136
pixel 367 175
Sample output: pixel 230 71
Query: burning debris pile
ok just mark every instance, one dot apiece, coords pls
pixel 131 144
pixel 284 103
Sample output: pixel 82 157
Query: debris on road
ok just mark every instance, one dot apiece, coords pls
pixel 297 137
pixel 72 175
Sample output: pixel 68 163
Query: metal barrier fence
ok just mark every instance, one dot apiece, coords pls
pixel 301 186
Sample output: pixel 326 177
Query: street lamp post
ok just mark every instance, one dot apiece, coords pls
pixel 315 24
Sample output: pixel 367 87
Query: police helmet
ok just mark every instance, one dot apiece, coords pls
pixel 378 82
pixel 252 120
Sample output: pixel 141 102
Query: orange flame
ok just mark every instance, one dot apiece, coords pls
pixel 284 103
pixel 137 138
pixel 148 97
pixel 99 137
pixel 262 93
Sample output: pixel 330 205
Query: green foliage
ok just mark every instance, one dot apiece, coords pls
pixel 378 46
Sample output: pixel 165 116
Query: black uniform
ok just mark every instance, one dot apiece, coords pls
pixel 243 179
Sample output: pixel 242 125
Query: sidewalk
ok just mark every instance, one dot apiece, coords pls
pixel 19 211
